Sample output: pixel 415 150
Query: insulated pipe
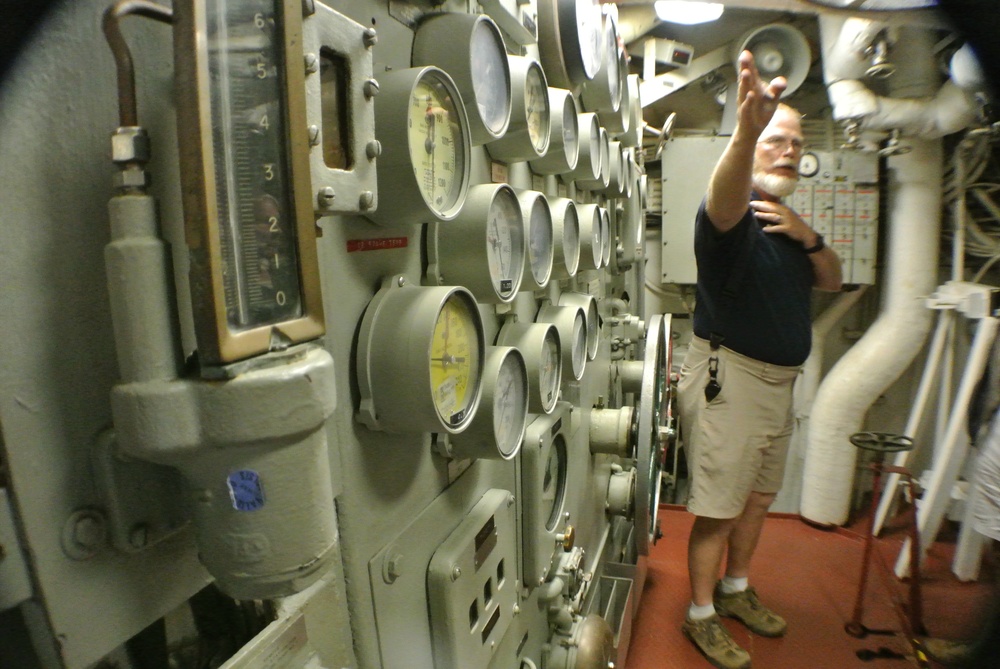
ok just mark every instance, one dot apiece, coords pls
pixel 890 344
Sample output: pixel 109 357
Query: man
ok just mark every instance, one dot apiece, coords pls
pixel 757 263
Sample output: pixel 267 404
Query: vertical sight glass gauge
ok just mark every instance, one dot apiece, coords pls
pixel 432 380
pixel 247 194
pixel 470 48
pixel 564 135
pixel 527 136
pixel 425 162
pixel 540 250
pixel 483 249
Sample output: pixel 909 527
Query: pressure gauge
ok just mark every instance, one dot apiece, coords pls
pixel 603 93
pixel 617 173
pixel 425 160
pixel 588 166
pixel 527 137
pixel 497 430
pixel 809 165
pixel 569 40
pixel 632 136
pixel 619 122
pixel 603 177
pixel 564 135
pixel 539 344
pixel 592 318
pixel 565 237
pixel 483 248
pixel 429 380
pixel 470 48
pixel 540 249
pixel 571 323
pixel 247 195
pixel 591 242
pixel 607 238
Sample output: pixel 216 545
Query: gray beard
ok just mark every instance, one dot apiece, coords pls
pixel 774 184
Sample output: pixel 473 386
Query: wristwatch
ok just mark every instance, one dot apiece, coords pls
pixel 818 246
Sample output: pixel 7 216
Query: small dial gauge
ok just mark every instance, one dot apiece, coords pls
pixel 498 429
pixel 579 343
pixel 571 324
pixel 564 135
pixel 566 237
pixel 591 236
pixel 538 221
pixel 537 108
pixel 588 22
pixel 540 345
pixel 528 134
pixel 426 156
pixel 809 165
pixel 606 239
pixel 471 49
pixel 554 482
pixel 434 382
pixel 592 319
pixel 588 165
pixel 483 249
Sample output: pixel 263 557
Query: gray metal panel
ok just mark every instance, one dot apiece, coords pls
pixel 687 166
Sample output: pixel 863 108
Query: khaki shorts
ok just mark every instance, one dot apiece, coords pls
pixel 738 442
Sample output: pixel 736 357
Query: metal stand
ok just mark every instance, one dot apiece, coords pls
pixel 911 619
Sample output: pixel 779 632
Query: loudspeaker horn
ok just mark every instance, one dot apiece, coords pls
pixel 778 50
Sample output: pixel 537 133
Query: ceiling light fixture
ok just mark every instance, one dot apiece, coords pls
pixel 687 12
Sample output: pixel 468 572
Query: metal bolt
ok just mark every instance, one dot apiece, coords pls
pixel 313 135
pixel 455 573
pixel 517 609
pixel 370 88
pixel 138 536
pixel 370 37
pixel 401 281
pixel 312 63
pixel 366 200
pixel 325 197
pixel 88 532
pixel 373 149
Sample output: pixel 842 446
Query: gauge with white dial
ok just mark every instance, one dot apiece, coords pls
pixel 809 165
pixel 564 135
pixel 498 428
pixel 483 249
pixel 571 323
pixel 603 93
pixel 471 49
pixel 565 237
pixel 592 318
pixel 425 160
pixel 539 344
pixel 540 250
pixel 527 136
pixel 569 40
pixel 591 240
pixel 433 381
pixel 607 239
pixel 588 165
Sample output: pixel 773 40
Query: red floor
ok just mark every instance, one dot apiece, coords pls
pixel 810 577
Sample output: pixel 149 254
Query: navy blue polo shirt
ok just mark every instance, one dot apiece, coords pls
pixel 770 316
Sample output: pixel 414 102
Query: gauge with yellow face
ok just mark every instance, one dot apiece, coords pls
pixel 420 358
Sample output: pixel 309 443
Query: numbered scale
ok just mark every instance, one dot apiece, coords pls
pixel 247 195
pixel 571 324
pixel 539 344
pixel 426 156
pixel 527 136
pixel 431 379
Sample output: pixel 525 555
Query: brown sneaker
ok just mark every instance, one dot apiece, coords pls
pixel 715 643
pixel 746 607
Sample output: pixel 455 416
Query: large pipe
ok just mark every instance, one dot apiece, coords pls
pixel 890 344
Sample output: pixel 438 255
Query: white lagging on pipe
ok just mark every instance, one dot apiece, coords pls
pixel 890 344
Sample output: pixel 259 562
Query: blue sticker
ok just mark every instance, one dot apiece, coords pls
pixel 245 490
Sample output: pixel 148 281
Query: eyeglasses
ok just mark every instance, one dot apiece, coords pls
pixel 780 143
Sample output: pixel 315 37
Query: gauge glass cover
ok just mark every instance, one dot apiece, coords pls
pixel 554 481
pixel 492 86
pixel 570 132
pixel 505 241
pixel 509 404
pixel 454 360
pixel 540 242
pixel 611 62
pixel 571 239
pixel 436 143
pixel 536 100
pixel 588 21
pixel 579 344
pixel 548 375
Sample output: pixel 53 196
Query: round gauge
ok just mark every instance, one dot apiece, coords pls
pixel 565 237
pixel 425 160
pixel 539 344
pixel 470 48
pixel 431 382
pixel 540 252
pixel 498 428
pixel 809 165
pixel 632 135
pixel 564 135
pixel 527 136
pixel 487 234
pixel 619 123
pixel 591 315
pixel 569 40
pixel 606 238
pixel 603 94
pixel 571 324
pixel 588 166
pixel 591 241
pixel 554 482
